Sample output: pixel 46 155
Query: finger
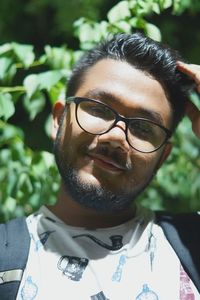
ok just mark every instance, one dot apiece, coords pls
pixel 194 115
pixel 188 68
pixel 191 70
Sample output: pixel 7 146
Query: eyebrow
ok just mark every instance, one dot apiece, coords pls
pixel 103 96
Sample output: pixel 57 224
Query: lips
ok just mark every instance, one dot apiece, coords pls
pixel 106 162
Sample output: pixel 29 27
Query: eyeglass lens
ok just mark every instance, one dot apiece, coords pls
pixel 96 118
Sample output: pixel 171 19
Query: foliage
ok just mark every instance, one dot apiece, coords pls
pixel 42 21
pixel 24 174
pixel 31 83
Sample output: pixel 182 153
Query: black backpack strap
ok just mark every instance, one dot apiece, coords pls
pixel 14 249
pixel 183 233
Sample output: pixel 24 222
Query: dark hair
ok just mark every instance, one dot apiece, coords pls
pixel 145 54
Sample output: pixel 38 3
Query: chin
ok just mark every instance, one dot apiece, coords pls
pixel 89 192
pixel 86 177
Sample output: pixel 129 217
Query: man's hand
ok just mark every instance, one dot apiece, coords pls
pixel 191 110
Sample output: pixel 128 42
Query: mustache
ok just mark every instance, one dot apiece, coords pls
pixel 116 156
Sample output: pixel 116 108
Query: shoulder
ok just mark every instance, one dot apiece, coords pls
pixel 183 233
pixel 180 221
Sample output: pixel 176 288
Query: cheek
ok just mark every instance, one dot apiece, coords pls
pixel 144 166
pixel 70 131
pixel 75 142
pixel 147 162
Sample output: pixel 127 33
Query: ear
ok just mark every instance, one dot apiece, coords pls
pixel 166 152
pixel 57 112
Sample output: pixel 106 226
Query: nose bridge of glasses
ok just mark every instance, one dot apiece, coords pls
pixel 121 122
pixel 118 131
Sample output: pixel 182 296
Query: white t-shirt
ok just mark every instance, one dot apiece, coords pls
pixel 132 261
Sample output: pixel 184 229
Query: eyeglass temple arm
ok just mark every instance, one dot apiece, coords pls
pixel 69 99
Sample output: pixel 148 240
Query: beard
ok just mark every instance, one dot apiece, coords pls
pixel 94 197
pixel 89 195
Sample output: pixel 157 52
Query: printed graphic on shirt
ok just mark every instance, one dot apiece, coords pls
pixel 99 296
pixel 29 290
pixel 73 267
pixel 43 239
pixel 116 241
pixel 118 273
pixel 147 294
pixel 50 219
pixel 186 292
pixel 152 249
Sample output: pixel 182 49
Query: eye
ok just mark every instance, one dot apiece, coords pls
pixel 142 129
pixel 98 110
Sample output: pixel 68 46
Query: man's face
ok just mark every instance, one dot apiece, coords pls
pixel 103 172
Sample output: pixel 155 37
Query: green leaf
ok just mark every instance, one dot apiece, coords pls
pixel 86 33
pixel 89 32
pixel 137 22
pixel 24 53
pixel 104 28
pixel 57 91
pixel 77 55
pixel 156 8
pixel 46 80
pixel 5 63
pixel 5 48
pixel 48 126
pixel 167 3
pixel 7 108
pixel 7 69
pixel 24 183
pixel 133 22
pixel 35 200
pixel 31 84
pixel 119 12
pixel 49 79
pixel 179 6
pixel 123 26
pixel 9 132
pixel 58 58
pixel 153 32
pixel 48 158
pixel 141 7
pixel 10 204
pixel 35 104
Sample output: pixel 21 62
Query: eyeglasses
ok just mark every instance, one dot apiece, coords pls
pixel 97 118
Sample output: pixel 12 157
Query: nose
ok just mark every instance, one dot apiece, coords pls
pixel 116 137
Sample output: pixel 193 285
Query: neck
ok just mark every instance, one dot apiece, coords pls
pixel 74 214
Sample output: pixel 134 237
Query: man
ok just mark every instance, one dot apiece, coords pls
pixel 124 101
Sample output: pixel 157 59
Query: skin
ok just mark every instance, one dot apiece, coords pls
pixel 129 92
pixel 192 111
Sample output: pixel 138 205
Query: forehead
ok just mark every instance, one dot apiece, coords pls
pixel 123 87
